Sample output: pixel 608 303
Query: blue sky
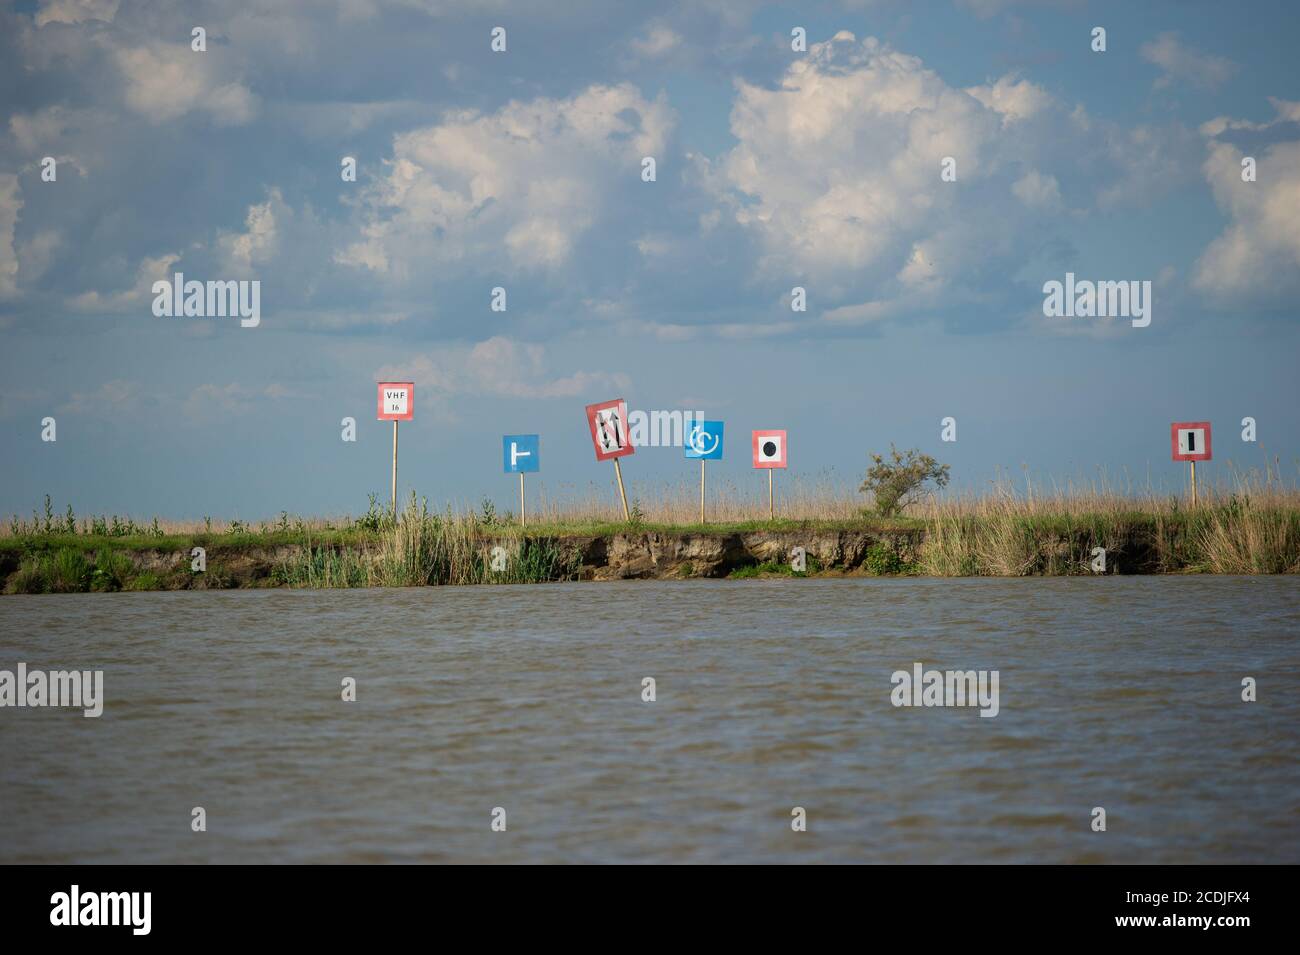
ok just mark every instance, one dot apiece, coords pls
pixel 775 169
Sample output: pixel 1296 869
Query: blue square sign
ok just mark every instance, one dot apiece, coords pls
pixel 521 452
pixel 704 440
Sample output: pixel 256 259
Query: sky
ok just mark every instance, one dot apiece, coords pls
pixel 824 168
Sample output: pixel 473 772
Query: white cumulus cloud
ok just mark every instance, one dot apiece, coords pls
pixel 837 172
pixel 166 82
pixel 516 187
pixel 498 367
pixel 1256 260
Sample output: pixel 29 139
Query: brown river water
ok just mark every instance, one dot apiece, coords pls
pixel 1121 693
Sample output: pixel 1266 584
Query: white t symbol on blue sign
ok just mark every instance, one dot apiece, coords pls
pixel 520 453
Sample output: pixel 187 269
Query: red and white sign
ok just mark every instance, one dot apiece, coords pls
pixel 609 435
pixel 769 449
pixel 1190 440
pixel 396 400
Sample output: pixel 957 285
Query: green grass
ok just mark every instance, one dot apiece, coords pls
pixel 145 581
pixel 780 525
pixel 325 566
pixel 425 548
pixel 27 579
pixel 112 570
pixel 768 568
pixel 884 559
pixel 244 540
pixel 996 536
pixel 241 540
pixel 62 571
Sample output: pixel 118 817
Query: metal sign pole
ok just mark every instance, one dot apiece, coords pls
pixel 521 498
pixel 394 469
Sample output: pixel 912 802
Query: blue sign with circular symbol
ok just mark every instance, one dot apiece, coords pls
pixel 704 441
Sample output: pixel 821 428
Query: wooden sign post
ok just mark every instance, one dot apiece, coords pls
pixel 521 453
pixel 701 490
pixel 770 453
pixel 1190 441
pixel 607 421
pixel 622 491
pixel 703 441
pixel 396 403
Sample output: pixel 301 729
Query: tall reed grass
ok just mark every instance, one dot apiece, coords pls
pixel 1250 528
pixel 423 547
pixel 1248 524
pixel 823 496
pixel 1250 538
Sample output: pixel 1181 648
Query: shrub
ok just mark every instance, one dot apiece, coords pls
pixel 147 580
pixel 758 570
pixel 900 482
pixel 882 559
pixel 376 518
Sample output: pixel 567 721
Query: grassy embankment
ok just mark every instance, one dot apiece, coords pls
pixel 1247 529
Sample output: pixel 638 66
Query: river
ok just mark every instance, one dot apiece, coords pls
pixel 1119 693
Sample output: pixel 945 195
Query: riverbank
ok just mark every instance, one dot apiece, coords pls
pixel 429 549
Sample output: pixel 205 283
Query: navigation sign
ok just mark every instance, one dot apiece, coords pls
pixel 396 400
pixel 521 453
pixel 1190 440
pixel 769 453
pixel 704 441
pixel 396 403
pixel 769 449
pixel 608 423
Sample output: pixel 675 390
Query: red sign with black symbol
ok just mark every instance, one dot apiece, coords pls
pixel 1190 440
pixel 609 435
pixel 769 449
